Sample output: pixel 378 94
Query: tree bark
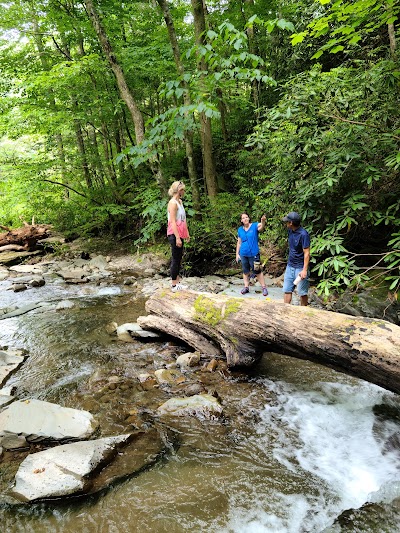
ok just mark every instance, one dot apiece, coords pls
pixel 188 135
pixel 25 237
pixel 124 90
pixel 209 172
pixel 243 329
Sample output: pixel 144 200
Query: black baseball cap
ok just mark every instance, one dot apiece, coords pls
pixel 292 217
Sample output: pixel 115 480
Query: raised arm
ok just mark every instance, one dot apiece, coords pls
pixel 261 225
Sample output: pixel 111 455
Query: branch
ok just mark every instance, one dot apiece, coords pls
pixel 359 124
pixel 62 52
pixel 73 190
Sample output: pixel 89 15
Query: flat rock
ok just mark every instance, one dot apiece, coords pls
pixel 11 258
pixel 127 332
pixel 10 361
pixel 28 269
pixel 38 420
pixel 63 470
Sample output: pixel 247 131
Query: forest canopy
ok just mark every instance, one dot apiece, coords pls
pixel 258 106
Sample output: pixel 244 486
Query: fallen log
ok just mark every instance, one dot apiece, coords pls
pixel 242 329
pixel 26 237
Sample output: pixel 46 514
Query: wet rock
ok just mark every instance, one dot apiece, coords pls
pixel 63 470
pixel 129 281
pixel 127 332
pixel 10 361
pixel 65 304
pixel 200 405
pixel 37 282
pixel 167 377
pixel 17 287
pixel 188 359
pixel 38 420
pixel 7 310
pixel 193 389
pixel 5 399
pixel 73 276
pixel 13 442
pixel 212 365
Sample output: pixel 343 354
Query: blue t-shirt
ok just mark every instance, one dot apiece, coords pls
pixel 249 238
pixel 298 241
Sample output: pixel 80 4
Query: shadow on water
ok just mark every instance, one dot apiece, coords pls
pixel 300 448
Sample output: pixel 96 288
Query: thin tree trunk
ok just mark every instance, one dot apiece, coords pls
pixel 209 172
pixel 45 65
pixel 188 135
pixel 124 90
pixel 82 152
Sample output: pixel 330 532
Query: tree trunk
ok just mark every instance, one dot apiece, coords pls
pixel 187 101
pixel 124 90
pixel 209 172
pixel 243 329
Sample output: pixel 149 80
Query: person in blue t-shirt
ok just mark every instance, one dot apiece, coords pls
pixel 248 252
pixel 299 259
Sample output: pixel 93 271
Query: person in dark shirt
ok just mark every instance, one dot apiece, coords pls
pixel 298 261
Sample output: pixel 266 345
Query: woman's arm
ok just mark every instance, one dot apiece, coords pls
pixel 238 244
pixel 261 225
pixel 173 210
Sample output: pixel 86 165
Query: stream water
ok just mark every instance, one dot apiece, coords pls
pixel 302 448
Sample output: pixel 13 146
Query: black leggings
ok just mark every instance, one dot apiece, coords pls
pixel 177 253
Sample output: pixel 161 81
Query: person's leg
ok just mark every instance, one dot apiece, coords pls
pixel 176 259
pixel 246 274
pixel 302 290
pixel 261 281
pixel 304 300
pixel 287 298
pixel 288 286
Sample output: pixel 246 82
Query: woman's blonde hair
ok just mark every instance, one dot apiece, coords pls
pixel 175 187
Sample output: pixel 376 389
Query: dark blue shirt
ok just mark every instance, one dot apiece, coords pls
pixel 249 238
pixel 298 241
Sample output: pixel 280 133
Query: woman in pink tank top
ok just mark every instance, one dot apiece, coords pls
pixel 177 232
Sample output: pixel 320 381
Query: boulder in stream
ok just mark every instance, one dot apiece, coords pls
pixel 38 420
pixel 63 470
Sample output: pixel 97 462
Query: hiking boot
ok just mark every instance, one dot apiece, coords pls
pixel 245 290
pixel 265 291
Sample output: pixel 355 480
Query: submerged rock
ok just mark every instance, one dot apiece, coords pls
pixel 38 420
pixel 200 405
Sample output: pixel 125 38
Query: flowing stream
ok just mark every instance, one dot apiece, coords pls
pixel 302 448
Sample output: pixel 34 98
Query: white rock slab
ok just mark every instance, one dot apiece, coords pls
pixel 9 362
pixel 200 405
pixel 63 470
pixel 25 269
pixel 38 420
pixel 126 332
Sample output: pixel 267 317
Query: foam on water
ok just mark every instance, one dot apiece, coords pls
pixel 331 437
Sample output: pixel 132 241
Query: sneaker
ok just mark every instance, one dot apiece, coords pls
pixel 265 291
pixel 178 287
pixel 245 290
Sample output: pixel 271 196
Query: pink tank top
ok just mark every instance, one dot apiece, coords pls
pixel 181 224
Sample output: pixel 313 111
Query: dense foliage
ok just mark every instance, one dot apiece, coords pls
pixel 256 105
